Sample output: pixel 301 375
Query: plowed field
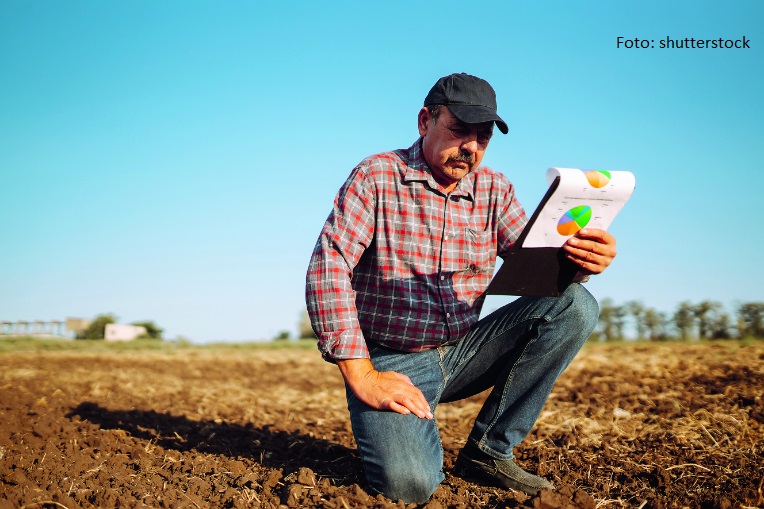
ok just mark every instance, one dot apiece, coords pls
pixel 634 425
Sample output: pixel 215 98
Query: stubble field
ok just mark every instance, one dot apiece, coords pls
pixel 631 425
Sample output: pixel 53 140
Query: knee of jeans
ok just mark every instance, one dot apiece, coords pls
pixel 583 308
pixel 409 485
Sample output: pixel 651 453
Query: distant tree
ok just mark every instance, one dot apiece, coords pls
pixel 97 328
pixel 152 330
pixel 304 328
pixel 721 327
pixel 611 321
pixel 655 322
pixel 750 317
pixel 637 310
pixel 619 321
pixel 707 315
pixel 684 319
pixel 283 336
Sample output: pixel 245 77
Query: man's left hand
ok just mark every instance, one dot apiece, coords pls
pixel 591 249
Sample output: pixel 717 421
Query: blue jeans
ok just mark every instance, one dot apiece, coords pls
pixel 519 350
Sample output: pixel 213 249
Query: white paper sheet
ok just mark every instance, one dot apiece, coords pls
pixel 584 198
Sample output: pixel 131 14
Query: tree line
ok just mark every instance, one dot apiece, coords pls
pixel 703 320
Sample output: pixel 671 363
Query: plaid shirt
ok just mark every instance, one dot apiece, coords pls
pixel 401 263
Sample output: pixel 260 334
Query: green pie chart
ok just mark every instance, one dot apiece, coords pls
pixel 573 220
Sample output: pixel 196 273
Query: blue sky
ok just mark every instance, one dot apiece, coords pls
pixel 174 161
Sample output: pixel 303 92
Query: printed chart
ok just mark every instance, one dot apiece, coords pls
pixel 582 198
pixel 574 219
pixel 598 178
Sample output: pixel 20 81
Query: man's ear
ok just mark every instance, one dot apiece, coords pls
pixel 423 121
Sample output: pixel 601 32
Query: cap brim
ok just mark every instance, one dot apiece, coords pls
pixel 473 114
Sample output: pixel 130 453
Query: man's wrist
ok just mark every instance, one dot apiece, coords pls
pixel 354 369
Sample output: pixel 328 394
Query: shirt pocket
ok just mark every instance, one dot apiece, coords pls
pixel 478 253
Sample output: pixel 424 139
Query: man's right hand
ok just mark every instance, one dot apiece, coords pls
pixel 384 390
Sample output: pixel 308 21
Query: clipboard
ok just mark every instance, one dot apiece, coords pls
pixel 535 271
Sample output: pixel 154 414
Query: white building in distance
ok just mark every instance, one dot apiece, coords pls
pixel 121 332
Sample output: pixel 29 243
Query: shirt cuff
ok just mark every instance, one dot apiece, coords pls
pixel 341 345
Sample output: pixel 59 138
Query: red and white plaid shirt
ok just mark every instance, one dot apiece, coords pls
pixel 401 263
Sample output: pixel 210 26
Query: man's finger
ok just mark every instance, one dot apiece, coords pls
pixel 574 243
pixel 408 403
pixel 415 401
pixel 589 261
pixel 601 236
pixel 397 407
pixel 417 410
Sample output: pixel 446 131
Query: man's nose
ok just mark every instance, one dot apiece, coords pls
pixel 470 145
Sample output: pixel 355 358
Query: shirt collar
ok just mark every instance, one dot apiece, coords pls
pixel 417 169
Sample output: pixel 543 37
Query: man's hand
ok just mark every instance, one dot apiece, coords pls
pixel 384 390
pixel 591 249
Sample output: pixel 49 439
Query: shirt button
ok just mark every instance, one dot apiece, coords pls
pixel 448 315
pixel 442 278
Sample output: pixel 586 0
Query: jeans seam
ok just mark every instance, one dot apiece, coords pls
pixel 502 401
pixel 440 443
pixel 441 388
pixel 442 356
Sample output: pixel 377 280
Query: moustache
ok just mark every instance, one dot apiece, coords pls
pixel 463 157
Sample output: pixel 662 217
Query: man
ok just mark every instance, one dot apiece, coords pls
pixel 394 291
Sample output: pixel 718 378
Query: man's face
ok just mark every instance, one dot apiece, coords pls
pixel 452 148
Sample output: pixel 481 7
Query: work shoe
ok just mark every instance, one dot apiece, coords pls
pixel 473 463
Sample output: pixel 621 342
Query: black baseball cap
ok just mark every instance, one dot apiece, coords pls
pixel 471 99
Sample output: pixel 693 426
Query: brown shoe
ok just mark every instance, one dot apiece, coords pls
pixel 473 463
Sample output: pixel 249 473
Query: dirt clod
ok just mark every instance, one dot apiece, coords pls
pixel 306 477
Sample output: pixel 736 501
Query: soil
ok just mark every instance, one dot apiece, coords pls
pixel 634 425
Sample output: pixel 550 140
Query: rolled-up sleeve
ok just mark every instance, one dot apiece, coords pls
pixel 329 294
